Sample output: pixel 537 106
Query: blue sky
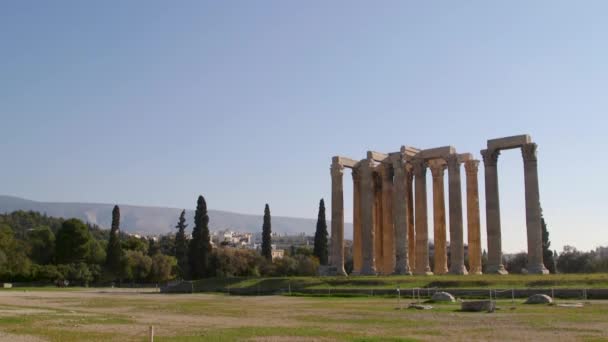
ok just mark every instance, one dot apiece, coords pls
pixel 153 103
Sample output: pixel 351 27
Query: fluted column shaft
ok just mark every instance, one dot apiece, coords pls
pixel 388 229
pixel 367 217
pixel 437 167
pixel 533 211
pixel 473 224
pixel 400 203
pixel 378 234
pixel 456 226
pixel 411 230
pixel 490 160
pixel 337 218
pixel 422 239
pixel 357 248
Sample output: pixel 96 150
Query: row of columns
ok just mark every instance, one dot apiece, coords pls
pixel 390 224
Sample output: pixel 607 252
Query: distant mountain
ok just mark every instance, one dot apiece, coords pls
pixel 158 220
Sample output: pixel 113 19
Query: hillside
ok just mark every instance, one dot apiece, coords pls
pixel 158 220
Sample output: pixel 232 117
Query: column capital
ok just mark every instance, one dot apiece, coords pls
pixel 356 174
pixel 337 170
pixel 452 161
pixel 386 173
pixel 528 152
pixel 490 157
pixel 437 167
pixel 419 167
pixel 471 166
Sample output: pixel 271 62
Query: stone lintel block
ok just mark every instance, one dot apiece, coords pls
pixel 344 161
pixel 410 151
pixel 463 157
pixel 435 153
pixel 509 142
pixel 377 156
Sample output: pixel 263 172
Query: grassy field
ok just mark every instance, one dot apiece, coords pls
pixel 105 315
pixel 577 281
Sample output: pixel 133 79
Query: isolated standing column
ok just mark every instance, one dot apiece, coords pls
pixel 473 225
pixel 490 160
pixel 357 251
pixel 337 217
pixel 533 211
pixel 411 230
pixel 456 225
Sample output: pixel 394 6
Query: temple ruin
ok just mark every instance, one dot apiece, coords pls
pixel 390 223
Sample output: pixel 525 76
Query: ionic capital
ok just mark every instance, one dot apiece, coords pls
pixel 490 157
pixel 528 152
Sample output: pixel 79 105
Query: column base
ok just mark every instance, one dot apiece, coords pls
pixel 475 272
pixel 496 269
pixel 460 270
pixel 537 269
pixel 426 271
pixel 441 271
pixel 368 272
pixel 402 271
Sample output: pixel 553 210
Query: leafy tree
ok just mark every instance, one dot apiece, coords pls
pixel 133 243
pixel 518 263
pixel 200 246
pixel 114 251
pixel 162 268
pixel 139 265
pixel 153 247
pixel 547 253
pixel 320 250
pixel 73 242
pixel 13 260
pixel 181 245
pixel 267 235
pixel 42 245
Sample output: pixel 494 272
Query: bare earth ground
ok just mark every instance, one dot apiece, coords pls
pixel 102 315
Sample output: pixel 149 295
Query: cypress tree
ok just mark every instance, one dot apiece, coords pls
pixel 547 253
pixel 181 245
pixel 199 251
pixel 320 250
pixel 266 235
pixel 114 250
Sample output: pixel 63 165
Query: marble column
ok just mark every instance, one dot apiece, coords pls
pixel 378 234
pixel 473 225
pixel 388 230
pixel 422 238
pixel 437 167
pixel 490 160
pixel 368 265
pixel 456 222
pixel 357 252
pixel 411 231
pixel 533 211
pixel 400 204
pixel 337 218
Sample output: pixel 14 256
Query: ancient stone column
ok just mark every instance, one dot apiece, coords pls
pixel 400 204
pixel 366 193
pixel 437 167
pixel 422 238
pixel 379 256
pixel 357 251
pixel 337 217
pixel 490 159
pixel 411 231
pixel 456 225
pixel 473 224
pixel 388 230
pixel 533 211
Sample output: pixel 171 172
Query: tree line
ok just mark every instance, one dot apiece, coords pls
pixel 36 247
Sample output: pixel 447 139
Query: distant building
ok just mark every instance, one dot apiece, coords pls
pixel 602 252
pixel 278 253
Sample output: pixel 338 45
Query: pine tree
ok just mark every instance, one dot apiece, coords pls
pixel 181 245
pixel 199 251
pixel 320 250
pixel 114 250
pixel 547 253
pixel 266 235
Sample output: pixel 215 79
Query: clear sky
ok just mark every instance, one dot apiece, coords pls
pixel 155 102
